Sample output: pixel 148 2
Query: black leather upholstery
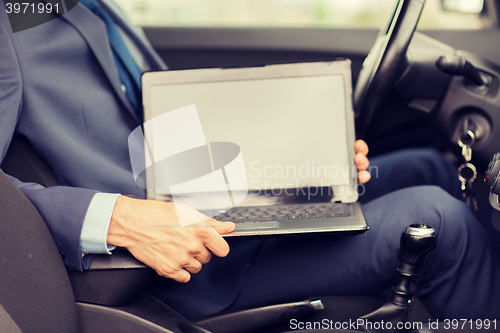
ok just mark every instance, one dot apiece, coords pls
pixel 34 286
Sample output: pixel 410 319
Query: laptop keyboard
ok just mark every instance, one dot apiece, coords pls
pixel 285 212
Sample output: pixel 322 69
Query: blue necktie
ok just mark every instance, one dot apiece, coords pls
pixel 129 72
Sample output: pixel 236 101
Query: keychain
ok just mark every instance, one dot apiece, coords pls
pixel 467 172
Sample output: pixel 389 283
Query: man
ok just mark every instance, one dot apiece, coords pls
pixel 65 87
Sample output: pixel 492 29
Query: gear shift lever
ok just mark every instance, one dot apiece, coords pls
pixel 416 241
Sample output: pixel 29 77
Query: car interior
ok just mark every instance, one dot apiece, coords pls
pixel 413 88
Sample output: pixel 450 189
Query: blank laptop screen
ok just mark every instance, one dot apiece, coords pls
pixel 291 131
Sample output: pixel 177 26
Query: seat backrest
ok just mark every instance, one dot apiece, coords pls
pixel 24 163
pixel 34 287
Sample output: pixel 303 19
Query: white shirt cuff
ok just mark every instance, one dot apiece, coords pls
pixel 96 224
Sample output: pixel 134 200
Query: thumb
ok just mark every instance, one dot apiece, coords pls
pixel 221 227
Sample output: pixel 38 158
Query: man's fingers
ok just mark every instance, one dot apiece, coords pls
pixel 215 242
pixel 179 275
pixel 204 257
pixel 361 147
pixel 363 176
pixel 194 266
pixel 174 250
pixel 221 227
pixel 218 246
pixel 361 161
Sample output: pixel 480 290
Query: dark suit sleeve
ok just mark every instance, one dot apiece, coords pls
pixel 62 208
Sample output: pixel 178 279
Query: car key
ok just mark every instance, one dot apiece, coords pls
pixel 466 147
pixel 467 173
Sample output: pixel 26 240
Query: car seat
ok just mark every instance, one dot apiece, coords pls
pixel 38 294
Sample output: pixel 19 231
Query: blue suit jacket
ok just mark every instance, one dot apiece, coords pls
pixel 59 87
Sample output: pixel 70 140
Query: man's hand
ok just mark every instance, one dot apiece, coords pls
pixel 361 161
pixel 150 230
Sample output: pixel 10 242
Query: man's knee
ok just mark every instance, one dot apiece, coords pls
pixel 420 204
pixel 451 218
pixel 408 168
pixel 419 155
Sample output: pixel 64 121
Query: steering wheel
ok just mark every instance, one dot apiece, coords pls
pixel 383 64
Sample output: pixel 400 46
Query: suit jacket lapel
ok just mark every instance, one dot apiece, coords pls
pixel 92 28
pixel 135 33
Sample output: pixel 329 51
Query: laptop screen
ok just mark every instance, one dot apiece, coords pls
pixel 292 132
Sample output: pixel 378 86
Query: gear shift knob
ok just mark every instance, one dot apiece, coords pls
pixel 416 241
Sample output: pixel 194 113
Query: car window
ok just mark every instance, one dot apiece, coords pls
pixel 292 13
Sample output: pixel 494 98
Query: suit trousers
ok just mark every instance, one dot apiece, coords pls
pixel 459 279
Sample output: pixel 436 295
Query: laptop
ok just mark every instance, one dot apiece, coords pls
pixel 269 148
